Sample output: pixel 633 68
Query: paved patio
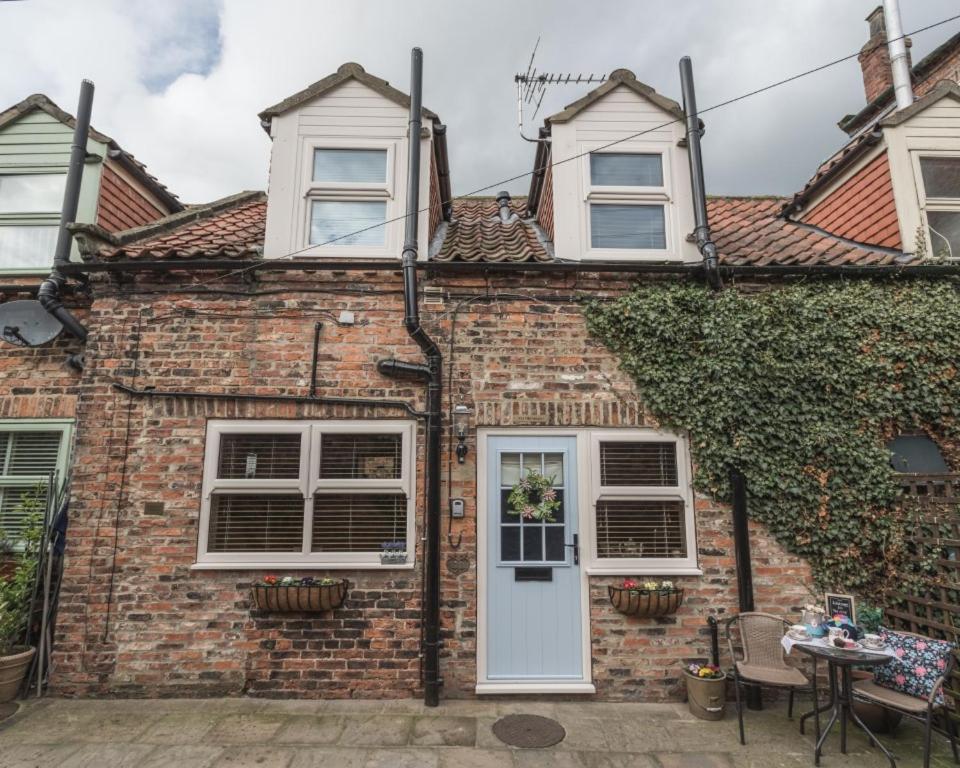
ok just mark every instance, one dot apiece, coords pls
pixel 215 733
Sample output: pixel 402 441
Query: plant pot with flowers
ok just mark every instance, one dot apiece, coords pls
pixel 706 691
pixel 289 594
pixel 646 599
pixel 16 592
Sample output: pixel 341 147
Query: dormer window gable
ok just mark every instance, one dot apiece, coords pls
pixel 338 169
pixel 627 196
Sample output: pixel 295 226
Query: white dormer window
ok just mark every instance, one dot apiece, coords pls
pixel 348 191
pixel 627 204
pixel 940 193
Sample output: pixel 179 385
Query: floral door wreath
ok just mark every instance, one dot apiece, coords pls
pixel 534 498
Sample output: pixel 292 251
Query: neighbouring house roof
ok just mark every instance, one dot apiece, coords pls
pixel 230 228
pixel 918 74
pixel 39 101
pixel 747 231
pixel 617 78
pixel 349 71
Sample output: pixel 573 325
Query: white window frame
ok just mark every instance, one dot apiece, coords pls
pixel 64 426
pixel 362 192
pixel 307 483
pixel 683 491
pixel 948 204
pixel 628 195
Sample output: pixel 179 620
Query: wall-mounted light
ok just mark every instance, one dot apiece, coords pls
pixel 461 414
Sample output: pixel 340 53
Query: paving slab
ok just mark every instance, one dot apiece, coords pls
pixel 376 731
pixel 245 729
pixel 254 757
pixel 34 755
pixel 330 757
pixel 693 760
pixel 182 756
pixel 444 732
pixel 322 729
pixel 459 757
pixel 113 755
pixel 403 758
pixel 180 728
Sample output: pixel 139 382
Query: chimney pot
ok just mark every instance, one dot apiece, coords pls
pixel 874 57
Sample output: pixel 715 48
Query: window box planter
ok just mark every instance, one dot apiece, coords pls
pixel 296 598
pixel 646 603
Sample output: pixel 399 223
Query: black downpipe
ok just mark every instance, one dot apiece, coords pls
pixel 706 246
pixel 432 373
pixel 50 289
pixel 741 544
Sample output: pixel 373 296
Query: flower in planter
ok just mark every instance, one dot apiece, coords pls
pixel 708 671
pixel 648 586
pixel 287 581
pixel 270 580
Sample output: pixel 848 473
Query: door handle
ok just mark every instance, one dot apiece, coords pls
pixel 576 549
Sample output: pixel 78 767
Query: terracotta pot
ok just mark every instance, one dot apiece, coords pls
pixel 294 599
pixel 13 669
pixel 645 603
pixel 706 697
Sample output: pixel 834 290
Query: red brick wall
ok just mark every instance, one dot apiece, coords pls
pixel 121 205
pixel 164 629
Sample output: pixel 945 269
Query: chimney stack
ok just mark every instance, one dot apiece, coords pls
pixel 875 57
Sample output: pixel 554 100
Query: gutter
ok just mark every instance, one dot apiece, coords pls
pixel 49 293
pixel 430 373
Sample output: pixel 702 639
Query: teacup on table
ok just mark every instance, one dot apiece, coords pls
pixel 872 641
pixel 798 632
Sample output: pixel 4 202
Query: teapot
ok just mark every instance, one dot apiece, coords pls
pixel 813 618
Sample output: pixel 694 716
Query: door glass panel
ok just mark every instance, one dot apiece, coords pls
pixel 555 542
pixel 510 543
pixel 532 543
pixel 509 469
pixel 532 461
pixel 553 467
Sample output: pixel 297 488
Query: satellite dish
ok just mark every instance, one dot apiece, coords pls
pixel 27 324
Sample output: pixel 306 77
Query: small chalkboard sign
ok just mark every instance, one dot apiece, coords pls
pixel 841 604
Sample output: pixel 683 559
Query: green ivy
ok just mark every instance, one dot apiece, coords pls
pixel 799 387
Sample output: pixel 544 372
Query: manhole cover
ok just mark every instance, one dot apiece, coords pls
pixel 528 731
pixel 8 709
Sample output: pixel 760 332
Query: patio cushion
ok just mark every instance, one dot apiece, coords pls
pixel 870 690
pixel 919 663
pixel 772 675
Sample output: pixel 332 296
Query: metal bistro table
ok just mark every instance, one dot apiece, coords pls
pixel 839 664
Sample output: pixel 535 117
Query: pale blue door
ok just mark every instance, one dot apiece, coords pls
pixel 534 620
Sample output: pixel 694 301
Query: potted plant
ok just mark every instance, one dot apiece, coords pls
pixel 289 594
pixel 15 594
pixel 646 599
pixel 706 691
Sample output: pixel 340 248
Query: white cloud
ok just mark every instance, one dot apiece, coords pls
pixel 180 83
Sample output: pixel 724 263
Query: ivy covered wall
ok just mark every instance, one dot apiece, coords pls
pixel 800 387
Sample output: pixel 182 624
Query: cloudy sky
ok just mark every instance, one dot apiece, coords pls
pixel 180 82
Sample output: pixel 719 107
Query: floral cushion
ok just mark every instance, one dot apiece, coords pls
pixel 919 663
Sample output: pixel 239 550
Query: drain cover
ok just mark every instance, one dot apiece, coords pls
pixel 528 731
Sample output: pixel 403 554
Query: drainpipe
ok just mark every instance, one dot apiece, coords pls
pixel 50 289
pixel 431 374
pixel 897 50
pixel 694 131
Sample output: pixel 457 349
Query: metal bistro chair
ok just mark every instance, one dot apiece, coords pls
pixel 763 663
pixel 922 710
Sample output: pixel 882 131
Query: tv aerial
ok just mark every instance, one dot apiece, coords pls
pixel 532 85
pixel 27 324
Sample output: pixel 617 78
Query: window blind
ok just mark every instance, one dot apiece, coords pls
pixel 259 456
pixel 627 226
pixel 360 457
pixel 28 456
pixel 350 165
pixel 640 528
pixel 626 169
pixel 335 220
pixel 256 523
pixel 638 464
pixel 360 522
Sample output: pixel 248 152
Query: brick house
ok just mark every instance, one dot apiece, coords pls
pixel 38 392
pixel 236 416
